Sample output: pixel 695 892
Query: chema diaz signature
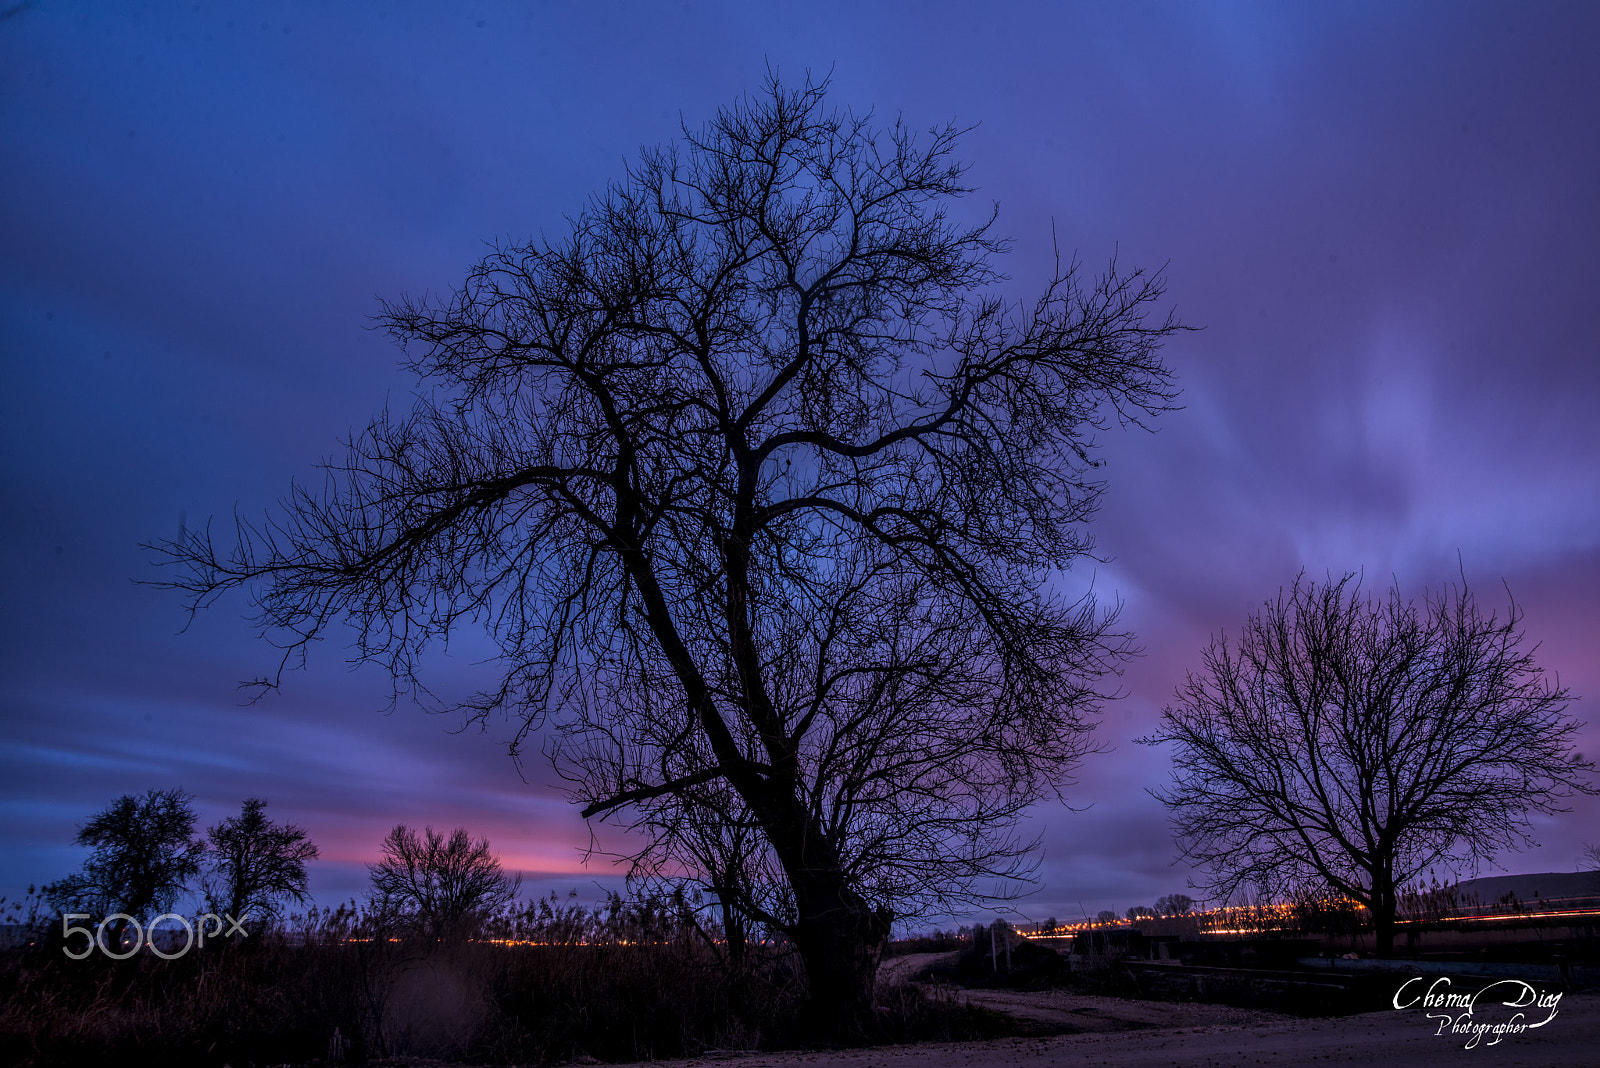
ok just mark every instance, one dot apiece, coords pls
pixel 1457 1013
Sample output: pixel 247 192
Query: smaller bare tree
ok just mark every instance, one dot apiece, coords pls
pixel 713 837
pixel 256 864
pixel 1174 905
pixel 1350 745
pixel 442 887
pixel 1591 864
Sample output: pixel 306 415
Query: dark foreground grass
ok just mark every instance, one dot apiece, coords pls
pixel 277 1001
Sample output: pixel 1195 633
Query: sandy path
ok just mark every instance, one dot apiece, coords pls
pixel 899 969
pixel 1066 1011
pixel 1084 1012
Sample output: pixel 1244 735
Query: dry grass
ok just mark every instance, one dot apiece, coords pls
pixel 630 983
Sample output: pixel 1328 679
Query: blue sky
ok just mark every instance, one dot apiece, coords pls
pixel 1385 217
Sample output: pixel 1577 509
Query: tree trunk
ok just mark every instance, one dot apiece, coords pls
pixel 839 935
pixel 734 929
pixel 1383 914
pixel 115 932
pixel 841 946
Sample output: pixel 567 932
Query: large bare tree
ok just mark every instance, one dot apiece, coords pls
pixel 759 483
pixel 1351 744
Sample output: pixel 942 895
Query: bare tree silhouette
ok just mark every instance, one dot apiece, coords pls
pixel 1348 744
pixel 1174 905
pixel 256 863
pixel 758 483
pixel 144 855
pixel 444 888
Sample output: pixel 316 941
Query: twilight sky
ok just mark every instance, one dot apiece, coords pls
pixel 1385 217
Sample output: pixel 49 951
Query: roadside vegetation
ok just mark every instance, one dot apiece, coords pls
pixel 539 982
pixel 443 959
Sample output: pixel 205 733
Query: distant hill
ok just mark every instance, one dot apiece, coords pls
pixel 1540 886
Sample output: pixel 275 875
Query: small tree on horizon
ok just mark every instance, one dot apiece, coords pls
pixel 256 863
pixel 1590 862
pixel 444 888
pixel 144 854
pixel 1174 905
pixel 1347 744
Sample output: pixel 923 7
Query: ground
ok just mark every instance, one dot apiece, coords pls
pixel 1136 1034
pixel 1120 1033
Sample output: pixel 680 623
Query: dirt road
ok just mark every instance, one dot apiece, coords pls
pixel 1148 1034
